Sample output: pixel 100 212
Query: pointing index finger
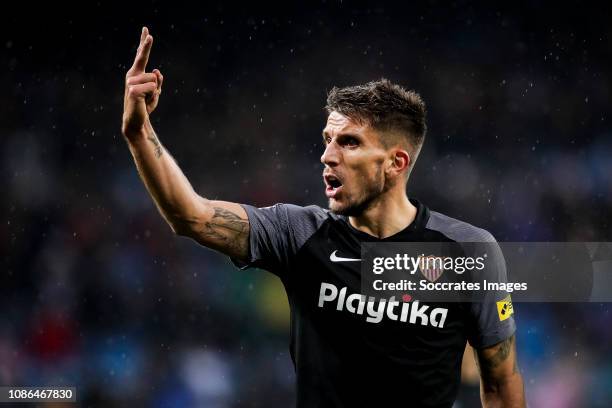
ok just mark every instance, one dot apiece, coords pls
pixel 142 57
pixel 143 34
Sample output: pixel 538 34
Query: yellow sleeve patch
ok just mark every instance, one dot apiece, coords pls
pixel 504 308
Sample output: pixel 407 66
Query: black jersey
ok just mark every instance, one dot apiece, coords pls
pixel 343 359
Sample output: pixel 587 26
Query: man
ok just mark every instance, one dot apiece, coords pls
pixel 372 138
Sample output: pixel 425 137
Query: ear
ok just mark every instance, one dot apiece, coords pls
pixel 399 163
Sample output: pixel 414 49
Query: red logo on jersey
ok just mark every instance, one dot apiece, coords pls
pixel 431 267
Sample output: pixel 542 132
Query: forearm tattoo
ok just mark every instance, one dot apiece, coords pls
pixel 486 364
pixel 159 150
pixel 229 229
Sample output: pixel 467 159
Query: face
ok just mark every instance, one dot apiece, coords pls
pixel 354 160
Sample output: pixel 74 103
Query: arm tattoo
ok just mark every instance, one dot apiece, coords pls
pixel 486 364
pixel 159 150
pixel 502 353
pixel 229 229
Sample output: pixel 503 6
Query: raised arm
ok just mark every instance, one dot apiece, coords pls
pixel 219 225
pixel 501 383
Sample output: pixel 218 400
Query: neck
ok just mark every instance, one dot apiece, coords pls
pixel 387 216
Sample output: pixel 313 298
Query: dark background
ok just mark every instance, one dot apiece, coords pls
pixel 96 291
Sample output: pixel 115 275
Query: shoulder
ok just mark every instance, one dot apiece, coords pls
pixel 288 215
pixel 457 230
pixel 293 212
pixel 312 210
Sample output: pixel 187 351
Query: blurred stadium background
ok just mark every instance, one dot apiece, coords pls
pixel 96 291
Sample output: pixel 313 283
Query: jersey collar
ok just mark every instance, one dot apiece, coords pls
pixel 409 233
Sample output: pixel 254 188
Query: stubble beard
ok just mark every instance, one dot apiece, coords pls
pixel 371 194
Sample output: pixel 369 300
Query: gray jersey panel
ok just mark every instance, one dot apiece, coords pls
pixel 487 328
pixel 278 232
pixel 456 230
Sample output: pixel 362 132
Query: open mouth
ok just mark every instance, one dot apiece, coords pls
pixel 333 184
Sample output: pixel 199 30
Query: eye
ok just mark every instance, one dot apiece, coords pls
pixel 350 141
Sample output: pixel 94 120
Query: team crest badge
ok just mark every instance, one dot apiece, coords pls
pixel 431 267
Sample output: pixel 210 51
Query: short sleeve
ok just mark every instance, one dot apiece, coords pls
pixel 492 314
pixel 277 233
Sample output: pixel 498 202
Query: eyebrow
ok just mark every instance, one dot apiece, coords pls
pixel 342 136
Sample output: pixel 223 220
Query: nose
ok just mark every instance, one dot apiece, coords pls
pixel 331 155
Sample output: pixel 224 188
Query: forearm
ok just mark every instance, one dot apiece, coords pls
pixel 174 196
pixel 219 225
pixel 504 393
pixel 501 383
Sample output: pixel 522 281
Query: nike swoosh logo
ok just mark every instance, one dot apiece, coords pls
pixel 334 258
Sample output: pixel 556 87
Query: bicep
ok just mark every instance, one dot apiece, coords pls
pixel 222 226
pixel 263 237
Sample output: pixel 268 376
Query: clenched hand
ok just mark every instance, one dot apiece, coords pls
pixel 142 89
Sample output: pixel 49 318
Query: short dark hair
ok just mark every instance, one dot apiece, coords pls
pixel 383 105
